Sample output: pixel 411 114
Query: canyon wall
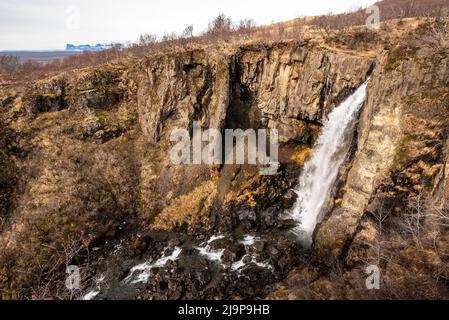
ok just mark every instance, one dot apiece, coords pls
pixel 90 148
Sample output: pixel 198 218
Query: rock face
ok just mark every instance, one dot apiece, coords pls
pixel 180 88
pixel 86 177
pixel 396 127
pixel 285 86
pixel 295 87
pixel 380 135
pixel 389 210
pixel 94 89
pixel 256 87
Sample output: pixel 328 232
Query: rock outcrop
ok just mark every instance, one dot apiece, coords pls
pixel 390 209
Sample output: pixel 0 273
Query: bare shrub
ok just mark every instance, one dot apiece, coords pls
pixel 147 38
pixel 439 216
pixel 414 219
pixel 188 32
pixel 52 284
pixel 169 37
pixel 9 64
pixel 219 25
pixel 440 33
pixel 389 9
pixel 246 25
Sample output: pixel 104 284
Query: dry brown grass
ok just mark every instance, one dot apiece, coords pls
pixel 252 187
pixel 190 211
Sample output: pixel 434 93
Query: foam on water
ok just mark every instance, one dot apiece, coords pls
pixel 144 269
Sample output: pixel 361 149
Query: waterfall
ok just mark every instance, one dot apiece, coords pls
pixel 321 170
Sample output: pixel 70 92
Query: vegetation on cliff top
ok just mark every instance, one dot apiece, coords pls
pixel 223 31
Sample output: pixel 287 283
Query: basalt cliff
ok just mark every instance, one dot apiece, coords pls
pixel 86 180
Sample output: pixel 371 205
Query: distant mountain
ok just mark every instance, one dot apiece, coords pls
pixel 86 47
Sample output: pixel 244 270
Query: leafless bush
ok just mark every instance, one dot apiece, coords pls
pixel 219 25
pixel 389 9
pixel 147 38
pixel 9 64
pixel 414 219
pixel 246 24
pixel 188 32
pixel 380 215
pixel 440 33
pixel 169 37
pixel 52 277
pixel 439 215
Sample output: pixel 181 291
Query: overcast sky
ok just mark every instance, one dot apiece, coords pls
pixel 50 24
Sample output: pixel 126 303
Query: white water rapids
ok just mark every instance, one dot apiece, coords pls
pixel 321 170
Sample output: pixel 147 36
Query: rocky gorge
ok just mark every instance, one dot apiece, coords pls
pixel 86 180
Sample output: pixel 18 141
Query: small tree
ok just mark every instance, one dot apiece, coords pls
pixel 188 32
pixel 169 37
pixel 147 39
pixel 246 24
pixel 9 64
pixel 219 25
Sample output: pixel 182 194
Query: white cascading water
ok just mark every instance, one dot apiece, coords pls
pixel 321 170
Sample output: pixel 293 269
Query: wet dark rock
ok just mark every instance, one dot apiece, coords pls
pixel 194 276
pixel 272 197
pixel 257 247
pixel 247 215
pixel 234 253
pixel 141 245
pixel 272 251
pixel 285 224
pixel 243 227
pixel 247 259
pixel 269 217
pixel 289 199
